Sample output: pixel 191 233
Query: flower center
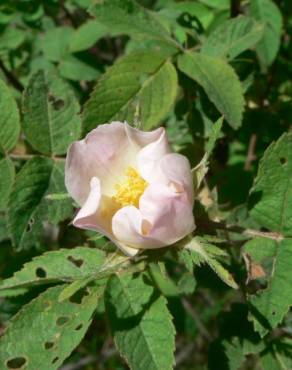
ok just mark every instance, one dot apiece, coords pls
pixel 129 191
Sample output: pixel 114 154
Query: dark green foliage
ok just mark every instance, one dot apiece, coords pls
pixel 217 75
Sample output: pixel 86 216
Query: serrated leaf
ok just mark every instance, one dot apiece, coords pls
pixel 271 194
pixel 25 203
pixel 271 207
pixel 129 18
pixel 144 80
pixel 233 37
pixel 266 11
pixel 269 306
pixel 56 329
pixel 7 172
pixel 61 265
pixel 50 114
pixel 28 206
pixel 219 81
pixel 141 323
pixel 9 120
pixel 195 252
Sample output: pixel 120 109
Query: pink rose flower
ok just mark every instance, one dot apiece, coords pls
pixel 130 187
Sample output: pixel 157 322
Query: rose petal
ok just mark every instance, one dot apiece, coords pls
pixel 163 218
pixel 169 212
pixel 149 157
pixel 89 217
pixel 104 153
pixel 175 170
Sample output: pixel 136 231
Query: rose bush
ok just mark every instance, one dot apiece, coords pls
pixel 131 187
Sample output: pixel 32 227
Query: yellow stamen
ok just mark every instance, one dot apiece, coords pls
pixel 130 190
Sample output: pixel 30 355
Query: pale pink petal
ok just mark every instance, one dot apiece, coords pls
pixel 105 153
pixel 142 138
pixel 89 217
pixel 148 158
pixel 175 170
pixel 86 217
pixel 163 218
pixel 169 212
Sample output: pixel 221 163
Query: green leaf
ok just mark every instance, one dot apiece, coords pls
pixel 201 169
pixel 55 330
pixel 233 37
pixel 25 203
pixel 214 136
pixel 28 206
pixel 267 12
pixel 55 43
pixel 9 119
pixel 7 172
pixel 11 38
pixel 61 265
pixel 75 69
pixel 217 4
pixel 271 194
pixel 50 114
pixel 129 18
pixel 269 306
pixel 195 252
pixel 141 323
pixel 219 81
pixel 86 35
pixel 144 80
pixel 58 209
pixel 271 207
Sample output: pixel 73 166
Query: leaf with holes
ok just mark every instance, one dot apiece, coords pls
pixel 141 323
pixel 271 207
pixel 129 18
pixel 28 207
pixel 50 114
pixel 61 265
pixel 56 329
pixel 9 119
pixel 233 37
pixel 266 11
pixel 219 81
pixel 7 172
pixel 147 81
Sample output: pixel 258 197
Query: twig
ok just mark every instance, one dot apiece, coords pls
pixel 11 78
pixel 197 319
pixel 184 354
pixel 251 152
pixel 26 157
